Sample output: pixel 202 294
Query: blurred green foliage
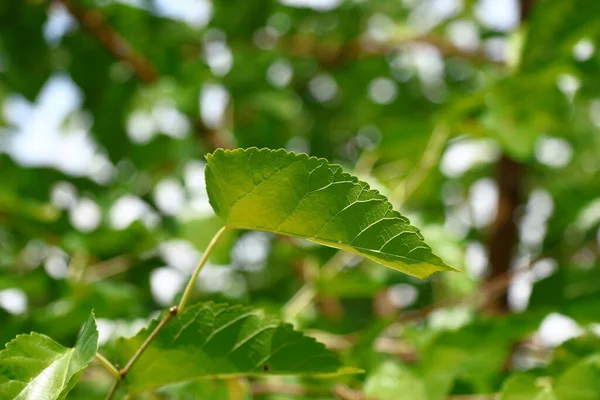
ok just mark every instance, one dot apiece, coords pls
pixel 108 108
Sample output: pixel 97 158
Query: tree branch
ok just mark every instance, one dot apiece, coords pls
pixel 333 55
pixel 504 237
pixel 95 23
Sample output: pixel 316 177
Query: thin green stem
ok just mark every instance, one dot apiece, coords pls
pixel 172 312
pixel 307 292
pixel 192 282
pixel 108 366
pixel 425 165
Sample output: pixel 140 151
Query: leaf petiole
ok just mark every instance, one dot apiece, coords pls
pixel 173 311
pixel 192 282
pixel 108 366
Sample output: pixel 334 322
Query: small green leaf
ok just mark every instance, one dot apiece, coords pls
pixel 581 381
pixel 218 340
pixel 297 195
pixel 525 387
pixel 35 367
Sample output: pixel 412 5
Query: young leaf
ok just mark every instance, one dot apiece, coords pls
pixel 218 340
pixel 35 367
pixel 297 195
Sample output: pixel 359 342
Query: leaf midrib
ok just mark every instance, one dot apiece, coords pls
pixel 334 244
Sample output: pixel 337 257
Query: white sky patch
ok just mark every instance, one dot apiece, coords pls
pixel 323 87
pixel 52 132
pixel 13 300
pixel 583 49
pixel 380 27
pixel 198 204
pixel 463 154
pixel 498 15
pixel 279 73
pixel 170 121
pixel 86 215
pixel 319 5
pixel 141 127
pixel 129 208
pixel 180 254
pixel 165 283
pixel 58 23
pixel 56 263
pixel 553 151
pixel 464 34
pixel 519 291
pixel 63 195
pixel 402 295
pixel 217 54
pixel 108 329
pixel 429 13
pixel 169 196
pixel 532 228
pixel 196 13
pixel 476 259
pixel 423 58
pixel 556 329
pixel 213 103
pixel 568 85
pixel 483 198
pixel 251 250
pixel 383 90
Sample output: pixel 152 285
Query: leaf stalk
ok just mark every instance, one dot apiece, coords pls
pixel 192 282
pixel 173 311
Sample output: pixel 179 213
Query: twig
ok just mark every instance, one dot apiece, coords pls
pixel 108 268
pixel 192 282
pixel 95 22
pixel 172 312
pixel 307 293
pixel 344 392
pixel 333 55
pixel 428 161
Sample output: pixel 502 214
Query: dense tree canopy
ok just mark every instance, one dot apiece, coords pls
pixel 479 122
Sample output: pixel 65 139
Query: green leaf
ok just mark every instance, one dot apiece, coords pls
pixel 297 195
pixel 581 381
pixel 525 387
pixel 35 367
pixel 218 340
pixel 391 380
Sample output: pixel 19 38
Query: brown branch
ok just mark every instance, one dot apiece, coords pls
pixel 504 237
pixel 95 23
pixel 339 391
pixel 333 54
pixel 510 177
